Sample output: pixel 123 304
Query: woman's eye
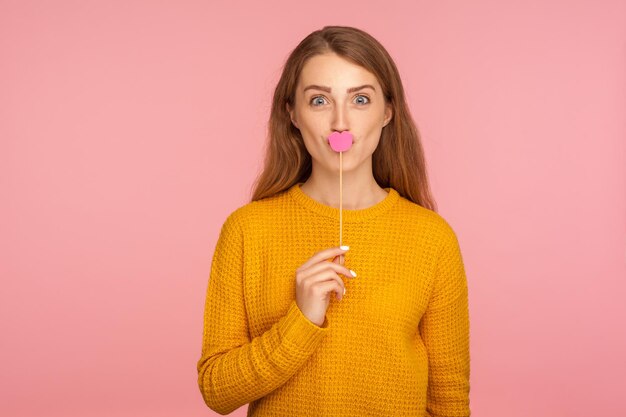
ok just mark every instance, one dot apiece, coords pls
pixel 316 101
pixel 319 100
pixel 367 99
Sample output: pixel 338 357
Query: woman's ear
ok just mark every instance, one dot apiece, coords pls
pixel 388 114
pixel 290 111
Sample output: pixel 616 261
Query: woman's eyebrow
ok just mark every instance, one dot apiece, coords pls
pixel 328 89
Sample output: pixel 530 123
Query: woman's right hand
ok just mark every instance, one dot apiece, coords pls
pixel 316 279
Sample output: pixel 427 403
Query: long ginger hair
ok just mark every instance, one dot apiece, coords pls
pixel 398 160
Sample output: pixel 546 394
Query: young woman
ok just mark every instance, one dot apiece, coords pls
pixel 294 324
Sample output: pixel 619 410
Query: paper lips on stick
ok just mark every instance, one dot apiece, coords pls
pixel 340 142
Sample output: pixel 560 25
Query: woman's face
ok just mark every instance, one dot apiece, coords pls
pixel 334 94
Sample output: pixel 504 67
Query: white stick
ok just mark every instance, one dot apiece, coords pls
pixel 340 201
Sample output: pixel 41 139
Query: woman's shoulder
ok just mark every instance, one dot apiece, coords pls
pixel 425 219
pixel 258 211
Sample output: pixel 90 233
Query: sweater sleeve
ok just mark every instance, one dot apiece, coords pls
pixel 234 369
pixel 444 328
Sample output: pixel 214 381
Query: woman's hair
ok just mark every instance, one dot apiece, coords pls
pixel 398 160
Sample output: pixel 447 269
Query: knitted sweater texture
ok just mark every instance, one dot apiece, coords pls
pixel 397 344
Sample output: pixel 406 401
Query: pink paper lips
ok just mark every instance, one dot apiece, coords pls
pixel 340 141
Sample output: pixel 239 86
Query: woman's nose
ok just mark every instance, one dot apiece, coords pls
pixel 340 119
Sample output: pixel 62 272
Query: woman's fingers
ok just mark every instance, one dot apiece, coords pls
pixel 320 266
pixel 332 285
pixel 323 255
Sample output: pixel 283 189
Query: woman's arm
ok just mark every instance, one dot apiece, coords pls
pixel 444 328
pixel 234 370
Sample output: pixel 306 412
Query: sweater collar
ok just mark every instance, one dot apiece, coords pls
pixel 347 215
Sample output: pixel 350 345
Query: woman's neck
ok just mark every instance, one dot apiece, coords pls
pixel 357 195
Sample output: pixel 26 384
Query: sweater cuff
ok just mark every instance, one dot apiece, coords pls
pixel 301 331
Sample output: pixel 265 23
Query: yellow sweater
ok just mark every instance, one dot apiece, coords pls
pixel 396 345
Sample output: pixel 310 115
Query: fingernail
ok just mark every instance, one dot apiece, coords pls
pixel 344 247
pixel 353 273
pixel 344 291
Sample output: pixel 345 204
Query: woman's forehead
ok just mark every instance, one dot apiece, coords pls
pixel 335 74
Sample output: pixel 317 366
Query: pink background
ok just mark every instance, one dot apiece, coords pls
pixel 131 129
